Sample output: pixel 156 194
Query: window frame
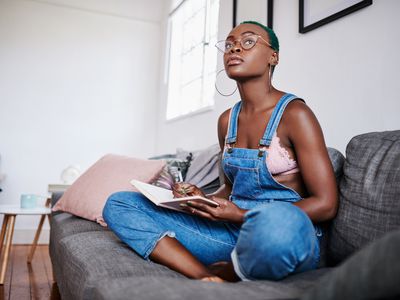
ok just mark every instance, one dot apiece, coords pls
pixel 203 104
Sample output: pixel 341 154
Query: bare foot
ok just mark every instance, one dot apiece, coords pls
pixel 213 279
pixel 224 270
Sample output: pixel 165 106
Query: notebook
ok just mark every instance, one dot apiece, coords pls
pixel 165 198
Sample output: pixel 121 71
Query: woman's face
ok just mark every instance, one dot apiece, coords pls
pixel 243 64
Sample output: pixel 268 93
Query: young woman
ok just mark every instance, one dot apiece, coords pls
pixel 278 182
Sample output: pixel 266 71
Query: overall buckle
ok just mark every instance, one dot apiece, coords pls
pixel 261 150
pixel 230 147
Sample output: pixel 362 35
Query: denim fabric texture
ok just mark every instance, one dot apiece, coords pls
pixel 275 240
pixel 140 224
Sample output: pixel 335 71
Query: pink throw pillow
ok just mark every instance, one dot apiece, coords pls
pixel 87 196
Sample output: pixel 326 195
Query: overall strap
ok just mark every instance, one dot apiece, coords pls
pixel 276 118
pixel 233 123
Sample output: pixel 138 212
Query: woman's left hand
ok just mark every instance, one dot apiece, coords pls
pixel 226 211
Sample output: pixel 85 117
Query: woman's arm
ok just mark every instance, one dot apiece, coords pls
pixel 305 134
pixel 225 190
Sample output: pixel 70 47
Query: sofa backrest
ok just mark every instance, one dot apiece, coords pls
pixel 369 203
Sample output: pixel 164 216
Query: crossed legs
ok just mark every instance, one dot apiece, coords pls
pixel 275 240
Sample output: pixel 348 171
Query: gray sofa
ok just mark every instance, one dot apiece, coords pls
pixel 360 249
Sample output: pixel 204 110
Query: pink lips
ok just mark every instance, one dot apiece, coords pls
pixel 234 60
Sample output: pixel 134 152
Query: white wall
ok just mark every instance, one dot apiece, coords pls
pixel 78 79
pixel 347 71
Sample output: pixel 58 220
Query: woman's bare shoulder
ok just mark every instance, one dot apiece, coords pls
pixel 300 123
pixel 298 111
pixel 224 118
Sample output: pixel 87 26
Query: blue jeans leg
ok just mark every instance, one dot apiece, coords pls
pixel 275 240
pixel 141 224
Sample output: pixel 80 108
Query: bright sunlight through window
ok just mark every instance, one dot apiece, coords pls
pixel 193 28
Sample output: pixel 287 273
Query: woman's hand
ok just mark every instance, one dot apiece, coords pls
pixel 184 189
pixel 226 211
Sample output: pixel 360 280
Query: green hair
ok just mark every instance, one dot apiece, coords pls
pixel 273 39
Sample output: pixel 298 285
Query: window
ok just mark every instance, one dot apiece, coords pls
pixel 192 57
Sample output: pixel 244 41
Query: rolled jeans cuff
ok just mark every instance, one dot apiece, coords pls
pixel 154 244
pixel 236 266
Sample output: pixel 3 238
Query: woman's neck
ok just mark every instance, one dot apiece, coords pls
pixel 256 95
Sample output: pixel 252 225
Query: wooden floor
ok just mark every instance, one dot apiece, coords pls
pixel 24 281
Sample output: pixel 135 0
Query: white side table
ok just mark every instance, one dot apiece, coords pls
pixel 7 230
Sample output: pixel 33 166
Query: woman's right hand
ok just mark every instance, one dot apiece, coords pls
pixel 184 189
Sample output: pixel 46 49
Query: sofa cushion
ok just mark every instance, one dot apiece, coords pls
pixel 64 224
pixel 85 258
pixel 149 288
pixel 369 202
pixel 371 273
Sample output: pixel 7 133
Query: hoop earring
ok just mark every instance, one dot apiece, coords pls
pixel 216 87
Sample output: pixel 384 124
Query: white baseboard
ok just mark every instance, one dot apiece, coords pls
pixel 26 236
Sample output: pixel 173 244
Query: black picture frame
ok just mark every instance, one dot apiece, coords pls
pixel 270 10
pixel 345 10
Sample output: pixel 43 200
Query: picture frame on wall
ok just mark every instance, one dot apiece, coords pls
pixel 316 13
pixel 259 10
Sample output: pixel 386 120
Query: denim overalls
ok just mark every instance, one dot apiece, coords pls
pixel 247 170
pixel 275 240
pixel 254 188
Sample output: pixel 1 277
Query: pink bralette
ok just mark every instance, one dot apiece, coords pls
pixel 278 159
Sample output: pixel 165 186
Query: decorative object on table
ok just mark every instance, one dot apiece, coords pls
pixel 111 173
pixel 313 14
pixel 28 201
pixel 259 10
pixel 70 174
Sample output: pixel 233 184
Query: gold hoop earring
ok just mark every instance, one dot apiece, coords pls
pixel 216 87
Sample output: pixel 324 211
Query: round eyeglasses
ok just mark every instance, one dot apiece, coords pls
pixel 246 43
